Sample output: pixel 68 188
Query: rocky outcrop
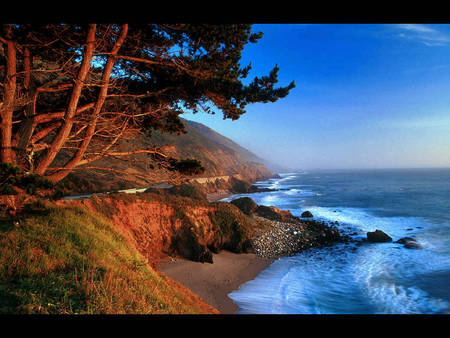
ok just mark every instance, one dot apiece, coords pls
pixel 378 236
pixel 289 238
pixel 307 214
pixel 246 205
pixel 162 224
pixel 286 234
pixel 249 207
pixel 275 214
pixel 409 243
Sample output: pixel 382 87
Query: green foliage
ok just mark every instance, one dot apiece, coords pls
pixel 233 225
pixel 204 66
pixel 188 190
pixel 11 176
pixel 188 167
pixel 160 71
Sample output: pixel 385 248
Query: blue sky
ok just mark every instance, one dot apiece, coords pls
pixel 366 96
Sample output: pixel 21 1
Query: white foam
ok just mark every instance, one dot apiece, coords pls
pixel 374 278
pixel 365 220
pixel 385 274
pixel 292 192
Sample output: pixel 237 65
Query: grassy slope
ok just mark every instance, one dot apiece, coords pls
pixel 65 260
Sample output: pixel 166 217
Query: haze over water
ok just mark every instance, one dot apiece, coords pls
pixel 374 278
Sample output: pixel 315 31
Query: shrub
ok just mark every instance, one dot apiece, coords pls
pixel 233 227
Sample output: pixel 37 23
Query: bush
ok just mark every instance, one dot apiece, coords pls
pixel 233 227
pixel 189 167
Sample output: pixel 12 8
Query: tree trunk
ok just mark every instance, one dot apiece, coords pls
pixel 98 106
pixel 64 132
pixel 7 108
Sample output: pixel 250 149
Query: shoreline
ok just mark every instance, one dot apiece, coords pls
pixel 213 282
pixel 217 196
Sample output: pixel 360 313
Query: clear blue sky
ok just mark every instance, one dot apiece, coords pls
pixel 366 96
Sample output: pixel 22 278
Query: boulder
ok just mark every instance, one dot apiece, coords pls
pixel 409 243
pixel 271 213
pixel 378 236
pixel 306 214
pixel 275 214
pixel 405 240
pixel 412 245
pixel 245 204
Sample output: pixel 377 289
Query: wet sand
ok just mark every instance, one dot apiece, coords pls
pixel 213 282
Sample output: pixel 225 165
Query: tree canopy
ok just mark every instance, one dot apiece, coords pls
pixel 80 89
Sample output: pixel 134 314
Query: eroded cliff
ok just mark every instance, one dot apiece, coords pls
pixel 161 224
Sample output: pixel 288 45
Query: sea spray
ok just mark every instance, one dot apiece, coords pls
pixel 370 278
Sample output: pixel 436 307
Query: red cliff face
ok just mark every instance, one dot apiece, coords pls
pixel 172 226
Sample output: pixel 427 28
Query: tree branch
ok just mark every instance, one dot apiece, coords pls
pixel 43 118
pixel 73 103
pixel 98 106
pixel 123 153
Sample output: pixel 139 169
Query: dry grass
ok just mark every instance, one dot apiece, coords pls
pixel 66 260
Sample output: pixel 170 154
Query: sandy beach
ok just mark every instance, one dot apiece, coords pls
pixel 213 282
pixel 216 196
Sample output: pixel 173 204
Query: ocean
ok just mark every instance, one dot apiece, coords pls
pixel 373 278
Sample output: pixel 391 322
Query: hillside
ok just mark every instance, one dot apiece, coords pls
pixel 244 153
pixel 69 260
pixel 218 156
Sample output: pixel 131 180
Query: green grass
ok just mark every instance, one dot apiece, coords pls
pixel 66 260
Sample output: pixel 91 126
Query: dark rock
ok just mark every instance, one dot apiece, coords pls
pixel 269 213
pixel 405 240
pixel 255 188
pixel 205 256
pixel 306 214
pixel 186 243
pixel 245 204
pixel 409 243
pixel 197 253
pixel 275 214
pixel 378 236
pixel 412 245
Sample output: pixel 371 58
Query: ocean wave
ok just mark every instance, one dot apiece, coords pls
pixel 365 220
pixel 348 278
pixel 390 278
pixel 292 191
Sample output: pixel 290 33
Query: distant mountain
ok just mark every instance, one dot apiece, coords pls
pixel 219 155
pixel 244 153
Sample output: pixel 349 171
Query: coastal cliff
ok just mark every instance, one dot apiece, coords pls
pixel 220 159
pixel 160 224
pixel 77 254
pixel 85 244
